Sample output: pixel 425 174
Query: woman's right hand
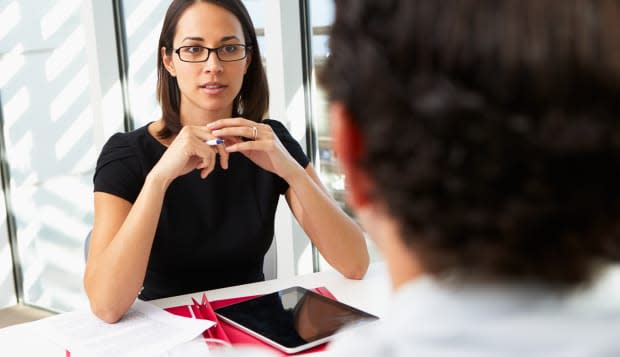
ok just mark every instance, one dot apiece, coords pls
pixel 189 151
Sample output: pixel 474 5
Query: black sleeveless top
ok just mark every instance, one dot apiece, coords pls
pixel 212 232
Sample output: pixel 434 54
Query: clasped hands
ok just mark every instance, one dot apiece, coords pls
pixel 257 141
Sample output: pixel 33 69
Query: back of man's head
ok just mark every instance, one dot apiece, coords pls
pixel 490 129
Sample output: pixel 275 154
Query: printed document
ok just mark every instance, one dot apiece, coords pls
pixel 144 330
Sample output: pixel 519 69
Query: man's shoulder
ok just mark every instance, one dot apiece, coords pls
pixel 363 342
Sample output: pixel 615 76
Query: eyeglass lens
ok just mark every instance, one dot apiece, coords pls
pixel 225 53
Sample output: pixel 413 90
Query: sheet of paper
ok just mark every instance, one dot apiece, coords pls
pixel 144 330
pixel 23 341
pixel 196 347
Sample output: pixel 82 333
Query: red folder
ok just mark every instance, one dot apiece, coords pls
pixel 224 331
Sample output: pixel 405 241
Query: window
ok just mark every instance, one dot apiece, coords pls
pixel 321 15
pixel 48 121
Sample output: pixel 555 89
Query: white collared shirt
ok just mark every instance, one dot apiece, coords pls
pixel 428 318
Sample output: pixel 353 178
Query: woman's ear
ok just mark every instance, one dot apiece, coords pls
pixel 348 145
pixel 168 62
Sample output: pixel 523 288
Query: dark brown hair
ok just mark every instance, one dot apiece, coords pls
pixel 492 129
pixel 253 98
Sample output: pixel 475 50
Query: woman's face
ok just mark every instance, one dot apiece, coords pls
pixel 207 88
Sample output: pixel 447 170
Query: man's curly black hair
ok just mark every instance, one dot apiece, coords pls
pixel 499 129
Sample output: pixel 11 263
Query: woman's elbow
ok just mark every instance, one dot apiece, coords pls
pixel 109 314
pixel 355 275
pixel 101 307
pixel 357 270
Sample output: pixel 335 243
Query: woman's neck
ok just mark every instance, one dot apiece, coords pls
pixel 196 116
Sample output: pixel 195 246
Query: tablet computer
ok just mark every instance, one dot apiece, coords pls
pixel 292 319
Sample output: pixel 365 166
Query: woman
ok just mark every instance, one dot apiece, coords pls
pixel 187 203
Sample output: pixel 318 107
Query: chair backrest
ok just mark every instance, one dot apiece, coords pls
pixel 270 262
pixel 87 244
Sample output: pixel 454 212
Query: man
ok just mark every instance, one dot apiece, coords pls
pixel 481 145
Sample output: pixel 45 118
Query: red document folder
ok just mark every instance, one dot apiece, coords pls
pixel 224 331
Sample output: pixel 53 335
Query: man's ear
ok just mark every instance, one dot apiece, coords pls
pixel 168 62
pixel 349 145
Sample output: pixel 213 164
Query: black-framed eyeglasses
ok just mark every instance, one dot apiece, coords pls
pixel 225 53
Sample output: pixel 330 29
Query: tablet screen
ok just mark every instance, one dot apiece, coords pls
pixel 293 319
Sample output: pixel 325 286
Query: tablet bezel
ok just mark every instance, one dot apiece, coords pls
pixel 303 346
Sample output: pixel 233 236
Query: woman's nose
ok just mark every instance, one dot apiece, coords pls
pixel 213 63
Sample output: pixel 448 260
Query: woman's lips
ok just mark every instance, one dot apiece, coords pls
pixel 213 88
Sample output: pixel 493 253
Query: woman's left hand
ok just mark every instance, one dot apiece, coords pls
pixel 261 144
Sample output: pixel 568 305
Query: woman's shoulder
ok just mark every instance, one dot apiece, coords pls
pixel 280 130
pixel 129 137
pixel 276 125
pixel 289 142
pixel 124 145
pixel 120 167
pixel 126 141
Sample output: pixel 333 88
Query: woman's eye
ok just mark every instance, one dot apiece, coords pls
pixel 230 48
pixel 193 50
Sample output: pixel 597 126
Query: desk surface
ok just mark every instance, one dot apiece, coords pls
pixel 371 294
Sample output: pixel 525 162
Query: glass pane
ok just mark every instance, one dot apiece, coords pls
pixel 8 295
pixel 256 9
pixel 48 136
pixel 142 20
pixel 321 17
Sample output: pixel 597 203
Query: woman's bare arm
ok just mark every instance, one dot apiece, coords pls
pixel 339 239
pixel 121 243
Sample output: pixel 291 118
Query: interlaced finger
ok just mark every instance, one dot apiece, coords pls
pixel 251 132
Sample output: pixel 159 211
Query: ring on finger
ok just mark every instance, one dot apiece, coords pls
pixel 254 133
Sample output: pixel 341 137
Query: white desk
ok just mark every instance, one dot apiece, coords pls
pixel 371 294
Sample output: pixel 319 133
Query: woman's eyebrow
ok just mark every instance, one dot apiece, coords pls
pixel 193 38
pixel 228 38
pixel 198 38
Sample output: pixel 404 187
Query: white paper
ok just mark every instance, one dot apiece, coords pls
pixel 196 347
pixel 23 341
pixel 144 330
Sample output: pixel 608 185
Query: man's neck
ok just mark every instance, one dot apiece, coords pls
pixel 402 264
pixel 401 261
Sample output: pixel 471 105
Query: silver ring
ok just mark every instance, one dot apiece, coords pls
pixel 255 132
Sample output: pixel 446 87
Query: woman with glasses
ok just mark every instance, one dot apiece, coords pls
pixel 187 202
